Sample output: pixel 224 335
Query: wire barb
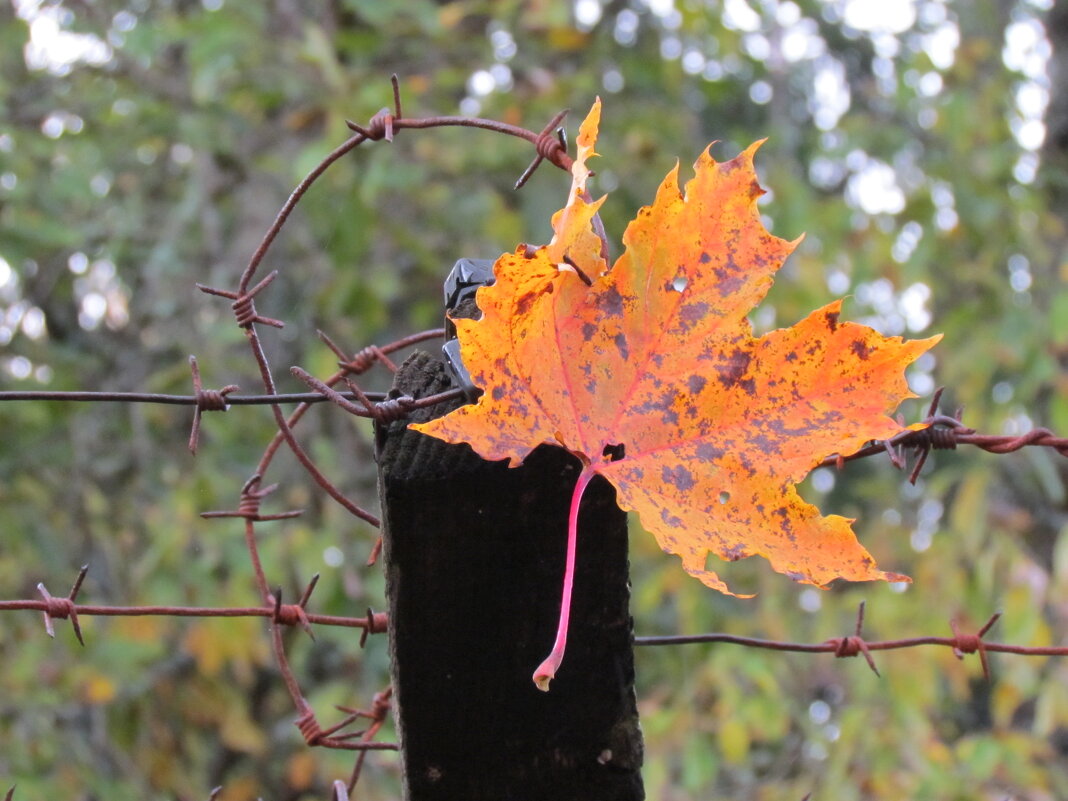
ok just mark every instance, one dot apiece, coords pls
pixel 328 392
pixel 384 412
pixel 393 409
pixel 63 608
pixel 314 735
pixel 294 614
pixel 243 302
pixel 855 644
pixel 249 505
pixel 377 623
pixel 380 706
pixel 361 361
pixel 380 126
pixel 309 727
pixel 395 82
pixel 971 643
pixel 207 400
pixel 550 144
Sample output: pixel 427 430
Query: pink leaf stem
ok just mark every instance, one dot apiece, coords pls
pixel 547 669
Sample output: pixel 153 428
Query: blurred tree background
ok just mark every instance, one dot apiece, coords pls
pixel 146 144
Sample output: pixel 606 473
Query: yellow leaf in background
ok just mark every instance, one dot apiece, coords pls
pixel 1004 702
pixel 451 15
pixel 140 629
pixel 416 84
pixel 936 752
pixel 99 689
pixel 217 643
pixel 160 765
pixel 199 643
pixel 240 733
pixel 733 741
pixel 239 789
pixel 969 513
pixel 301 769
pixel 567 38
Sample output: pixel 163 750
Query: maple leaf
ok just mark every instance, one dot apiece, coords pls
pixel 652 377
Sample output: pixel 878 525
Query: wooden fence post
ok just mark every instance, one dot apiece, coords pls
pixel 474 555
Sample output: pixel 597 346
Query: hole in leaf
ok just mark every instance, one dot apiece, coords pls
pixel 680 283
pixel 724 496
pixel 614 452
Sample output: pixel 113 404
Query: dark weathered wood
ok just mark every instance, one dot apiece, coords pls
pixel 474 556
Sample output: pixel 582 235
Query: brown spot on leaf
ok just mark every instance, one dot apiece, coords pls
pixel 735 552
pixel 728 281
pixel 766 445
pixel 692 313
pixel 735 366
pixel 671 520
pixel 708 452
pixel 612 301
pixel 678 477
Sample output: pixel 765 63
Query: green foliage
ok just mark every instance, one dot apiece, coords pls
pixel 125 181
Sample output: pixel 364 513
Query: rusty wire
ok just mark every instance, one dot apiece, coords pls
pixel 285 616
pixel 173 400
pixel 946 432
pixel 962 642
pixel 940 432
pixel 550 146
pixel 383 125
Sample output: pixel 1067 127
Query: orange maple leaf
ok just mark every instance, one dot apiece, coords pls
pixel 652 377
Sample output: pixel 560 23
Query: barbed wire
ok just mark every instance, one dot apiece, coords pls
pixel 936 431
pixel 962 642
pixel 945 432
pixel 549 145
pixel 285 614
